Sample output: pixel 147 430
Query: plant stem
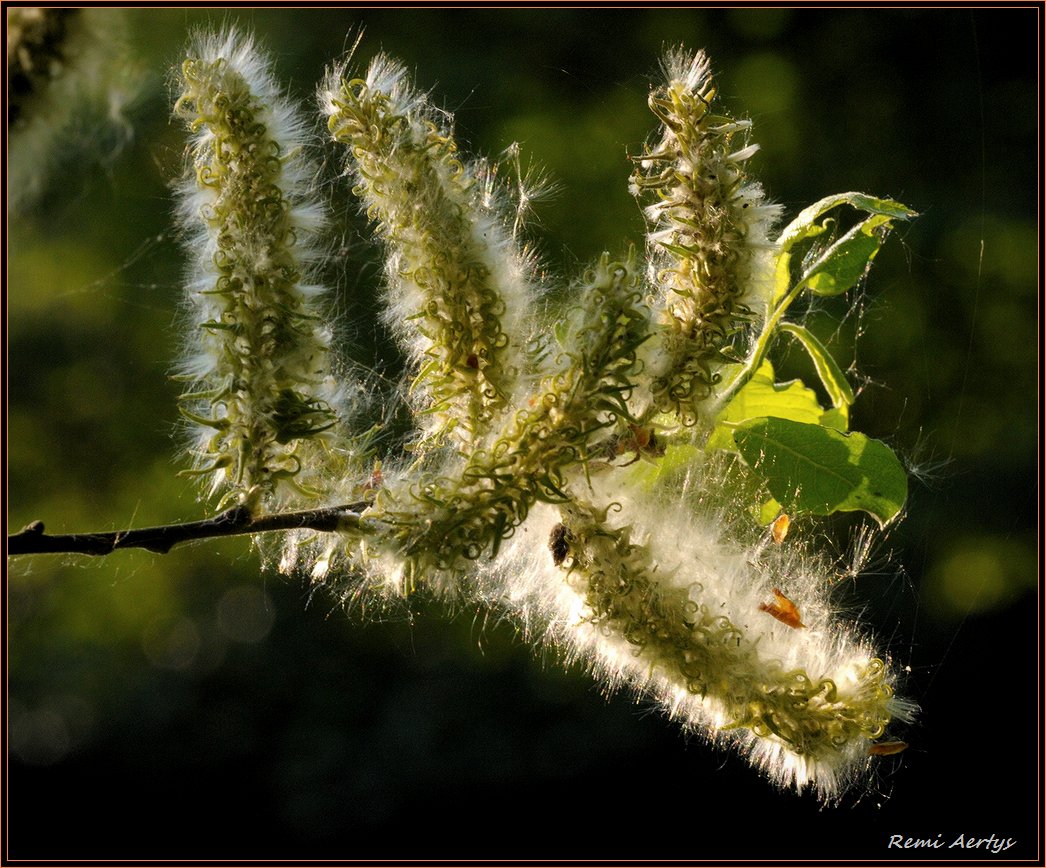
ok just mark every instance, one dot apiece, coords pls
pixel 233 522
pixel 761 346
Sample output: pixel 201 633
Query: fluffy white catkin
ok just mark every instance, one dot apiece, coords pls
pixel 670 606
pixel 261 391
pixel 457 295
pixel 647 579
pixel 709 241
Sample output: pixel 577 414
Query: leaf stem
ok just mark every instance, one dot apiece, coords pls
pixel 762 344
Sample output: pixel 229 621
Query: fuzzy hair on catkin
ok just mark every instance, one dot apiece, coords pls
pixel 262 392
pixel 459 296
pixel 709 249
pixel 514 493
pixel 721 576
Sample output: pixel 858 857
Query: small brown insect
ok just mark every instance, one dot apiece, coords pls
pixel 638 441
pixel 887 748
pixel 559 543
pixel 783 609
pixel 376 479
pixel 472 361
pixel 779 529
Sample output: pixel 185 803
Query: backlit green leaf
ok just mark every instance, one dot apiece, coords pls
pixel 805 224
pixel 809 468
pixel 760 397
pixel 839 266
pixel 678 459
pixel 767 512
pixel 827 368
pixel 782 278
pixel 837 418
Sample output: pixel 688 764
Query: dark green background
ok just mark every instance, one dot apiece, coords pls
pixel 188 706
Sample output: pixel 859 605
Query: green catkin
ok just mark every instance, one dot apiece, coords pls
pixel 678 632
pixel 449 522
pixel 260 384
pixel 708 238
pixel 671 604
pixel 455 293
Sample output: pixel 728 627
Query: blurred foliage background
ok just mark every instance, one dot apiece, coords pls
pixel 190 705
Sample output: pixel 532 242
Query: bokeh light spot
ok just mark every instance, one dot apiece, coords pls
pixel 245 614
pixel 979 575
pixel 172 647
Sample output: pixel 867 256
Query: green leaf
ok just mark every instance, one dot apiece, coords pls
pixel 837 418
pixel 809 468
pixel 678 459
pixel 767 512
pixel 782 278
pixel 827 368
pixel 805 224
pixel 839 266
pixel 761 397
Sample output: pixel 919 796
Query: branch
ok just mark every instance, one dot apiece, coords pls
pixel 32 540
